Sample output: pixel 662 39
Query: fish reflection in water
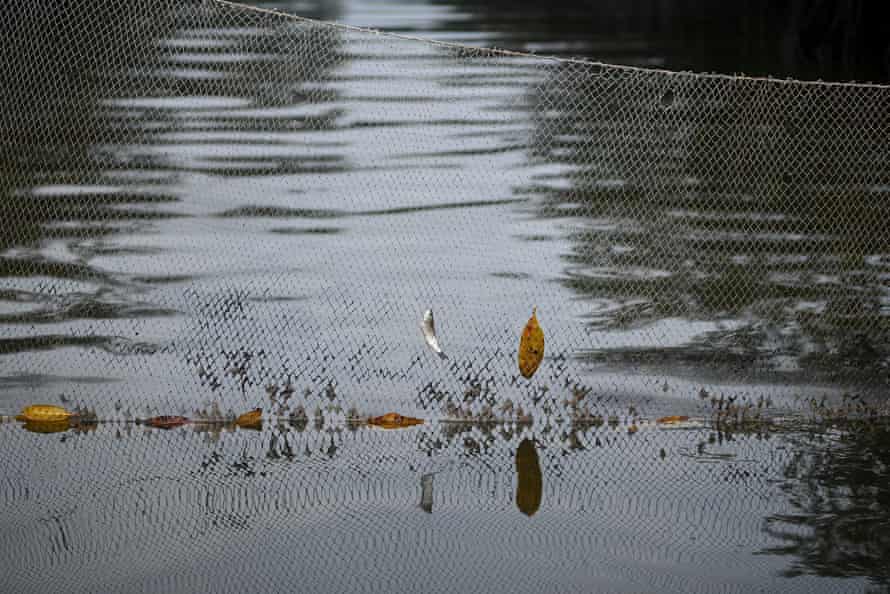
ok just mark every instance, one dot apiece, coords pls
pixel 529 483
pixel 426 492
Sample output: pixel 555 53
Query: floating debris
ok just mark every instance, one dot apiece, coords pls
pixel 531 346
pixel 672 419
pixel 428 327
pixel 166 422
pixel 394 421
pixel 298 418
pixel 44 413
pixel 678 422
pixel 251 420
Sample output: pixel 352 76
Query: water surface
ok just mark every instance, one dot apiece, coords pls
pixel 209 209
pixel 444 509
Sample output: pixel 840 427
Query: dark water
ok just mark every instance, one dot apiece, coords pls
pixel 803 39
pixel 207 210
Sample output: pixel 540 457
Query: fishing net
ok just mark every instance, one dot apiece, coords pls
pixel 208 206
pixel 437 510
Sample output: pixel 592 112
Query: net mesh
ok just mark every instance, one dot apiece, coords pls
pixel 438 510
pixel 207 206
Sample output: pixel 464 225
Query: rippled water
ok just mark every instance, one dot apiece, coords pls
pixel 444 509
pixel 228 203
pixel 204 214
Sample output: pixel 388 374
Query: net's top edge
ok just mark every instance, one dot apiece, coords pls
pixel 544 57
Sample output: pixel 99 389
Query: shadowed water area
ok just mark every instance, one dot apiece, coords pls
pixel 208 209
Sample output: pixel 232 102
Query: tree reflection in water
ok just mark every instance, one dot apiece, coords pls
pixel 839 486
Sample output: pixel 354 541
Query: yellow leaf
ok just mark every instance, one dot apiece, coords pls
pixel 44 413
pixel 394 421
pixel 251 420
pixel 531 346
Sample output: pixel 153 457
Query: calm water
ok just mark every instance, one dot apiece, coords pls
pixel 444 509
pixel 207 210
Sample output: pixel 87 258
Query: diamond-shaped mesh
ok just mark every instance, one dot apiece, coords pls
pixel 132 509
pixel 208 206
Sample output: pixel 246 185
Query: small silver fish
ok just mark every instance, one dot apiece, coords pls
pixel 428 327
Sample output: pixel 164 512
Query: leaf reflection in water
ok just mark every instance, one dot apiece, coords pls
pixel 529 483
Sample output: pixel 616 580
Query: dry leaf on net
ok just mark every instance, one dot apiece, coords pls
pixel 394 421
pixel 531 346
pixel 672 419
pixel 251 420
pixel 44 413
pixel 166 422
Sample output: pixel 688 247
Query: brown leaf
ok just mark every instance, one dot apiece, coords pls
pixel 673 419
pixel 166 422
pixel 251 420
pixel 394 421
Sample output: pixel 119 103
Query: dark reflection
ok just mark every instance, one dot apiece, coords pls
pixel 840 490
pixel 529 481
pixel 810 39
pixel 56 185
pixel 52 118
pixel 729 205
pixel 93 94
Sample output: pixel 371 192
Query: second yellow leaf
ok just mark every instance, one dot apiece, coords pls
pixel 531 346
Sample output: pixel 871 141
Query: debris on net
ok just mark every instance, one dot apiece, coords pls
pixel 166 422
pixel 394 421
pixel 251 420
pixel 44 413
pixel 672 419
pixel 531 346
